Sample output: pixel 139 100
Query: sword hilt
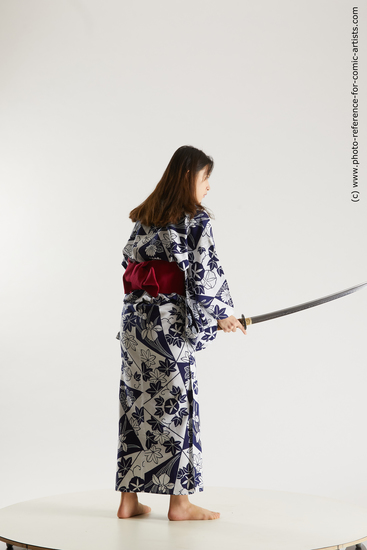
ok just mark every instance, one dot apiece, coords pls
pixel 245 321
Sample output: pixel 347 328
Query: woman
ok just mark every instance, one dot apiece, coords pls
pixel 176 294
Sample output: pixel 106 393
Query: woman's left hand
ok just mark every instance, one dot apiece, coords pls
pixel 231 324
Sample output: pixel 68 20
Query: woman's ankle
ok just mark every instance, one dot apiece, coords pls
pixel 178 501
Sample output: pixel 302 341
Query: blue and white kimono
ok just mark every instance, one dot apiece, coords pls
pixel 159 428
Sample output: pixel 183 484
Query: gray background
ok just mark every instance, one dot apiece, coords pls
pixel 95 98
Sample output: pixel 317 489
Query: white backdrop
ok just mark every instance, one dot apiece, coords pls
pixel 95 98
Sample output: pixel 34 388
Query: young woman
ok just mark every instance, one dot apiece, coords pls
pixel 175 296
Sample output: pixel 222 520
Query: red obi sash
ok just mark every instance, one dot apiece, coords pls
pixel 154 276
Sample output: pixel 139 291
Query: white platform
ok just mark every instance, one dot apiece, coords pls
pixel 250 519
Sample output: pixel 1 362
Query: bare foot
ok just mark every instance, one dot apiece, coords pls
pixel 130 506
pixel 181 509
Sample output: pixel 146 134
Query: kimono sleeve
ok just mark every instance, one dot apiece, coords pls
pixel 208 295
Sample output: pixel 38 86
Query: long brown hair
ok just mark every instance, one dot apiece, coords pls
pixel 175 194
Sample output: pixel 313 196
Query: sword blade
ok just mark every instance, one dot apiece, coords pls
pixel 300 307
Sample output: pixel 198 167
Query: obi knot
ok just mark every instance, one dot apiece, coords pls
pixel 155 277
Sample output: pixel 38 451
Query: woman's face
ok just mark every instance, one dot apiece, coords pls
pixel 202 184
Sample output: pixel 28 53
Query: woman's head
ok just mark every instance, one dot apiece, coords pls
pixel 180 191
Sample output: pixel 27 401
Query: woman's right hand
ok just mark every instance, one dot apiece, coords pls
pixel 231 324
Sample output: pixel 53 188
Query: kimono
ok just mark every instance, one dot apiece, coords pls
pixel 159 428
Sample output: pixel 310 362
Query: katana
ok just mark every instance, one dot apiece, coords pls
pixel 245 321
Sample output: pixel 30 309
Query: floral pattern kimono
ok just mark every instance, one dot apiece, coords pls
pixel 159 427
